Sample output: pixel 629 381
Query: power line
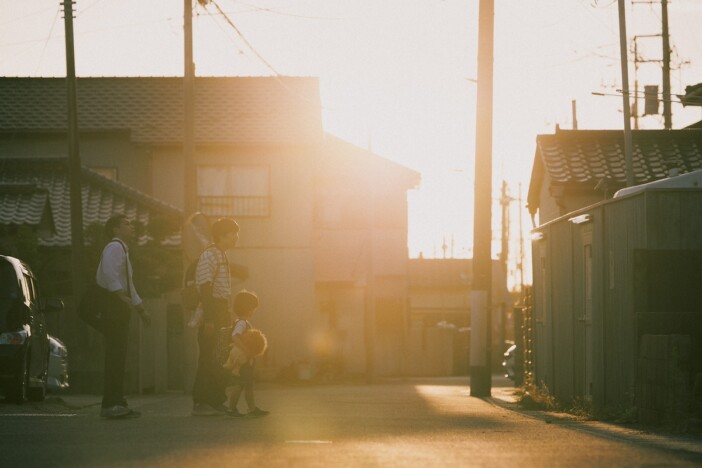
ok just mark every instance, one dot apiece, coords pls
pixel 46 43
pixel 89 7
pixel 293 15
pixel 226 35
pixel 243 38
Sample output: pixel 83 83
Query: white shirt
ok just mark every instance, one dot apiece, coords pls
pixel 240 327
pixel 113 270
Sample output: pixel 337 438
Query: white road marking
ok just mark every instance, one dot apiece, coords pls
pixel 33 415
pixel 308 441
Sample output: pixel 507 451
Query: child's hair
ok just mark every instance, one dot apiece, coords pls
pixel 245 302
pixel 255 342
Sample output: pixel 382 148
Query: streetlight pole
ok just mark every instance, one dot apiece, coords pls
pixel 481 323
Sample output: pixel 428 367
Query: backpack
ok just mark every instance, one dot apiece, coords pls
pixel 190 294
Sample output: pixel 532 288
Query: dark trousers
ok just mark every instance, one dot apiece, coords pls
pixel 209 380
pixel 116 337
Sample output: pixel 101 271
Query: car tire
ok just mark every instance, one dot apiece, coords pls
pixel 37 393
pixel 17 389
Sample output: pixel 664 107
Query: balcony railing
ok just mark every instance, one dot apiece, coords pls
pixel 235 206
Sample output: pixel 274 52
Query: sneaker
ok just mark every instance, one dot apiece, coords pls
pixel 203 409
pixel 235 414
pixel 115 412
pixel 221 409
pixel 257 412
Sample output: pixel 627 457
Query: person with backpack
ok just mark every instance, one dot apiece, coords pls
pixel 213 280
pixel 114 275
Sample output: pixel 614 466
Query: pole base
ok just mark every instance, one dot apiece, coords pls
pixel 480 382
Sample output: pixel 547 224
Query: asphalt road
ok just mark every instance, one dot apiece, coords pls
pixel 422 422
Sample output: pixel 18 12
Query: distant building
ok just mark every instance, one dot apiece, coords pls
pixel 440 298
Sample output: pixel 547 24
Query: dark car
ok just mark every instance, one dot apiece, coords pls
pixel 24 342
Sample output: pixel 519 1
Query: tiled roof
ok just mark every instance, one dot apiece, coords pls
pixel 22 203
pixel 27 184
pixel 249 110
pixel 582 158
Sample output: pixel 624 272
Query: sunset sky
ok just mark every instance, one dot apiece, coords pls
pixel 397 73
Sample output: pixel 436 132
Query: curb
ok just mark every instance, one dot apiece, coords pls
pixel 633 434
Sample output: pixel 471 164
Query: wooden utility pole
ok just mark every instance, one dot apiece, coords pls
pixel 667 112
pixel 625 95
pixel 481 322
pixel 189 168
pixel 521 244
pixel 665 34
pixel 74 166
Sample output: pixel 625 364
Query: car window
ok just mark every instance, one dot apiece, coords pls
pixel 9 285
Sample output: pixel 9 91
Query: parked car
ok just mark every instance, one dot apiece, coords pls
pixel 58 365
pixel 24 342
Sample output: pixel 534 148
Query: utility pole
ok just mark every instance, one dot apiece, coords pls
pixel 636 83
pixel 74 166
pixel 667 113
pixel 189 168
pixel 521 244
pixel 625 95
pixel 665 34
pixel 505 200
pixel 481 322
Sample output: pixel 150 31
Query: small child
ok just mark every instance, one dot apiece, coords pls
pixel 255 345
pixel 245 304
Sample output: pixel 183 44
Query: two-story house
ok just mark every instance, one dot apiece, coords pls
pixel 323 222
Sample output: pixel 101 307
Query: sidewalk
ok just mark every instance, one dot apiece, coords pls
pixel 502 396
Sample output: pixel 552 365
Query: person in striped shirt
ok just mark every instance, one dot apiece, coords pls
pixel 214 282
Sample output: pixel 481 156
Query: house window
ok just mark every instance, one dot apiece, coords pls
pixel 242 191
